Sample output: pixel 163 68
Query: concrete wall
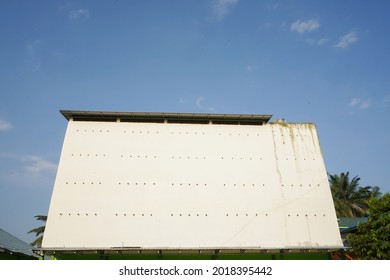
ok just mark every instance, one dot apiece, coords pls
pixel 162 186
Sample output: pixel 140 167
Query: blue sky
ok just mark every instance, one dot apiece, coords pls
pixel 325 62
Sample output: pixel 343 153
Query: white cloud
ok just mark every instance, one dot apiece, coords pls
pixel 33 56
pixel 26 171
pixel 79 14
pixel 4 125
pixel 273 6
pixel 365 104
pixel 322 41
pixel 358 103
pixel 386 100
pixel 318 42
pixel 222 7
pixel 200 104
pixel 182 100
pixel 33 46
pixel 37 165
pixel 305 26
pixel 354 102
pixel 34 165
pixel 346 40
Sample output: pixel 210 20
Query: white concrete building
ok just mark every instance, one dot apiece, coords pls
pixel 169 181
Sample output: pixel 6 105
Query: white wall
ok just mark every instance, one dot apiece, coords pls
pixel 191 186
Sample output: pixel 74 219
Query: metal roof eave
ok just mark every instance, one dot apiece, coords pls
pixel 169 117
pixel 218 250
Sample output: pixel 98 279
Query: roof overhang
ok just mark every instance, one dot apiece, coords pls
pixel 103 116
pixel 187 251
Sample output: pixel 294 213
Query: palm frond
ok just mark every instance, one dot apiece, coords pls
pixel 38 230
pixel 41 218
pixel 350 199
pixel 37 242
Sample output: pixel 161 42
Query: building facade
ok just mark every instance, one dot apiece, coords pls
pixel 167 185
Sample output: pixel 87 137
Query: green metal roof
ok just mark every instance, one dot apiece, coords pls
pixel 13 245
pixel 349 224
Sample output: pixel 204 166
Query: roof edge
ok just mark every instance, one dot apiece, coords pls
pixel 203 250
pixel 161 117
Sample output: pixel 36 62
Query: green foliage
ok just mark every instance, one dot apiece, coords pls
pixel 372 240
pixel 39 231
pixel 350 200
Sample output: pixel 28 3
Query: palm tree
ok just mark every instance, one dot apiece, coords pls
pixel 375 192
pixel 39 231
pixel 350 200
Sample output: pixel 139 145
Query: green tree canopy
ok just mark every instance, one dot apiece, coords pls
pixel 350 200
pixel 372 240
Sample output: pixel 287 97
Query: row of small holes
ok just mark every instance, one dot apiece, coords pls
pixel 134 215
pixel 88 155
pixel 294 159
pixel 237 215
pixel 136 184
pixel 189 184
pixel 194 133
pixel 86 214
pixel 139 131
pixel 172 157
pixel 75 183
pixel 241 158
pixel 292 185
pixel 306 215
pixel 238 134
pixel 180 157
pixel 172 184
pixel 189 215
pixel 181 184
pixel 138 156
pixel 194 184
pixel 179 133
pixel 100 130
pixel 106 130
pixel 244 185
pixel 297 135
pixel 187 133
pixel 78 214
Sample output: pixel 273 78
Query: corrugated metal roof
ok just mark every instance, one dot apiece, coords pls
pixel 347 224
pixel 250 119
pixel 12 244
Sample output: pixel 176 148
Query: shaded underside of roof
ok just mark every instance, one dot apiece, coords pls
pixel 13 245
pixel 98 116
pixel 196 251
